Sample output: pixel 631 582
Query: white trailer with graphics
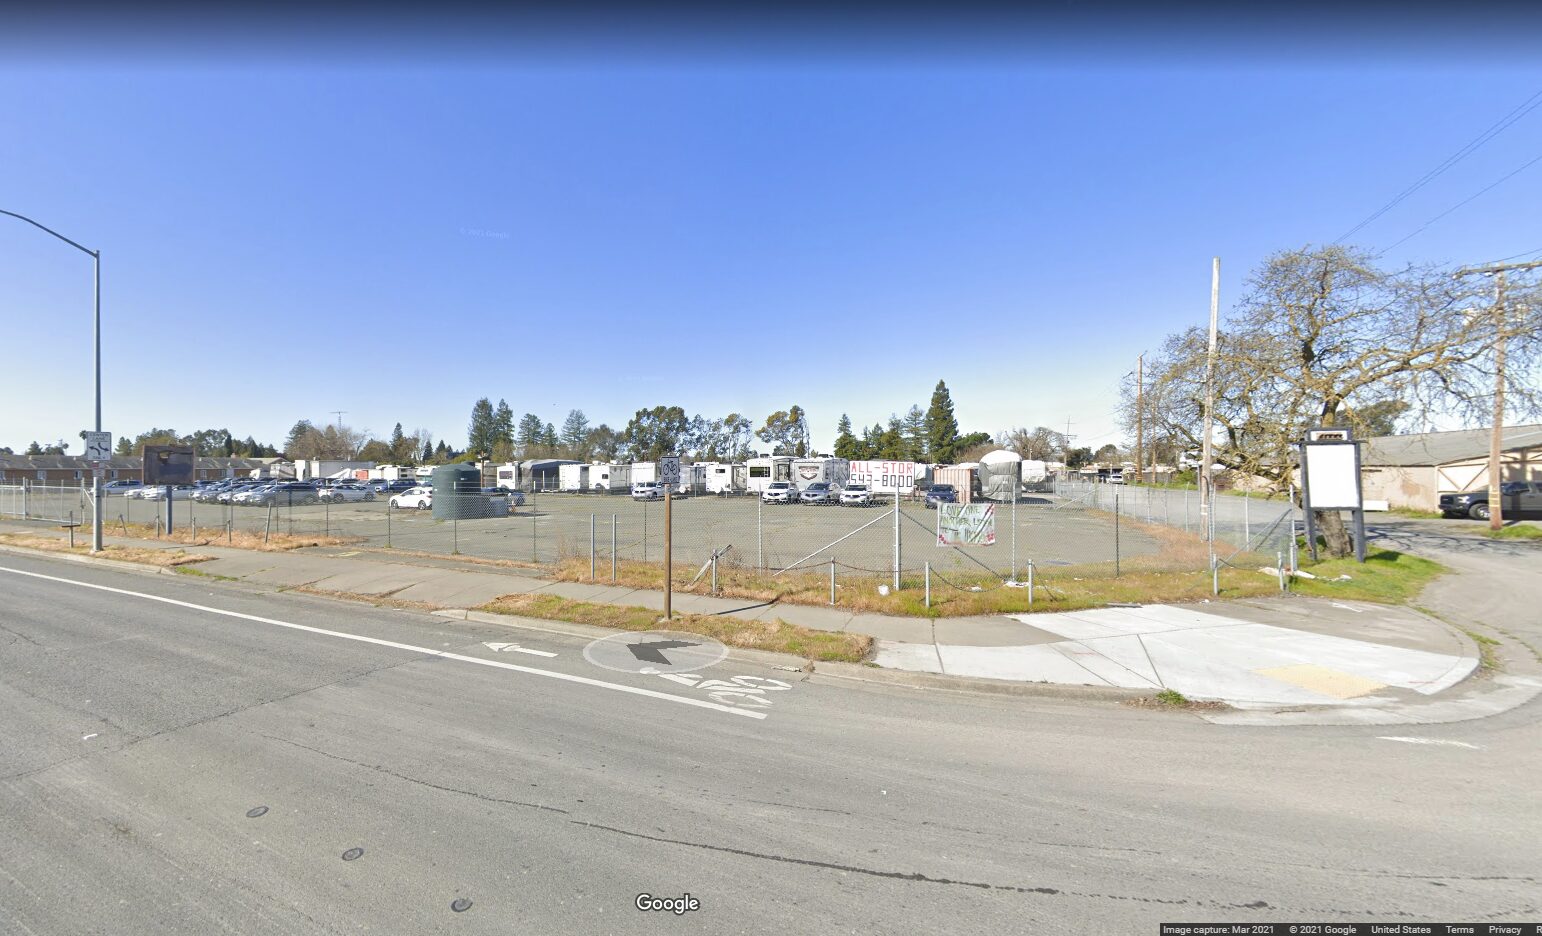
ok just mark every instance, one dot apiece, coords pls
pixel 762 471
pixel 835 472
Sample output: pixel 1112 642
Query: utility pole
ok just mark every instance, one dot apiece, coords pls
pixel 1206 487
pixel 1501 340
pixel 1140 417
pixel 339 414
pixel 1065 454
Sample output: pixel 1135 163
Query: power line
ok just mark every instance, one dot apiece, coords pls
pixel 1504 123
pixel 1492 185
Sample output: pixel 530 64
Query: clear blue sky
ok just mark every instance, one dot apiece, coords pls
pixel 292 229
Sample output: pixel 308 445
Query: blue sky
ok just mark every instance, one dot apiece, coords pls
pixel 285 235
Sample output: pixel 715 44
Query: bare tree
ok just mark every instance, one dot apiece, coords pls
pixel 1318 333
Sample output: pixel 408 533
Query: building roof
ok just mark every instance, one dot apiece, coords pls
pixel 1443 448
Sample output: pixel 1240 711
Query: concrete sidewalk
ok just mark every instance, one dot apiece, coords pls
pixel 1364 660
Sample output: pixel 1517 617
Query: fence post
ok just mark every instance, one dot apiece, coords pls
pixel 612 549
pixel 267 530
pixel 714 572
pixel 230 535
pixel 1030 583
pixel 1015 486
pixel 1247 525
pixel 1279 566
pixel 1116 534
pixel 760 561
pixel 1185 510
pixel 195 528
pixel 454 536
pixel 928 583
pixel 1215 576
pixel 326 522
pixel 896 538
pixel 72 529
pixel 832 580
pixel 388 522
pixel 645 530
pixel 591 547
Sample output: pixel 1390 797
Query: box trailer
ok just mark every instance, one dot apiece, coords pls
pixel 508 477
pixel 964 479
pixel 835 472
pixel 573 478
pixel 760 472
pixel 645 472
pixel 888 477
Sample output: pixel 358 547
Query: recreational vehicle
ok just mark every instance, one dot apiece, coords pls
pixel 835 472
pixel 508 477
pixel 573 478
pixel 761 472
pixel 610 478
pixel 725 479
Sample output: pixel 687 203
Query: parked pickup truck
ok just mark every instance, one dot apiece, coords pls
pixel 1521 499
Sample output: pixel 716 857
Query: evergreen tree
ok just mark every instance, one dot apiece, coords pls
pixel 530 434
pixel 479 435
pixel 941 426
pixel 503 425
pixel 549 439
pixel 916 438
pixel 575 433
pixel 34 448
pixel 428 451
pixel 846 444
pixel 891 441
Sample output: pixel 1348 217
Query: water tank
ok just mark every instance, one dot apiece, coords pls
pixel 458 493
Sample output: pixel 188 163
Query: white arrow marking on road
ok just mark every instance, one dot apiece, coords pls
pixel 1462 744
pixel 1348 608
pixel 565 677
pixel 515 648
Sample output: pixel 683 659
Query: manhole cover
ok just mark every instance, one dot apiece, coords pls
pixel 655 652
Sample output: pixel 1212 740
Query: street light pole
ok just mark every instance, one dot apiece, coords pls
pixel 96 257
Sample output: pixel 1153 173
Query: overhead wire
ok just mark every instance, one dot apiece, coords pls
pixel 1504 123
pixel 1487 188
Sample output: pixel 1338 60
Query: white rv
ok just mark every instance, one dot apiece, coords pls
pixel 573 478
pixel 610 479
pixel 760 472
pixel 645 472
pixel 835 472
pixel 508 477
pixel 724 479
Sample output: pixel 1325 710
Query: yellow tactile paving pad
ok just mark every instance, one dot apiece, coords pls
pixel 1321 679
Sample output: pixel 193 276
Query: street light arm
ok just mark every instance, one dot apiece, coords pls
pixel 51 231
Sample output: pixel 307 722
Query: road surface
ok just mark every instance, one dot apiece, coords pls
pixel 149 718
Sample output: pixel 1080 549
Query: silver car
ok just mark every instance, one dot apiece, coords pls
pixel 820 492
pixel 347 491
pixel 780 492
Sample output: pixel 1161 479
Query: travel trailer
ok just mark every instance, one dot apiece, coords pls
pixel 573 478
pixel 610 478
pixel 725 479
pixel 835 472
pixel 760 472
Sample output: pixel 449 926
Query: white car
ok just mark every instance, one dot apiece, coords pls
pixel 856 495
pixel 780 492
pixel 420 497
pixel 158 493
pixel 348 491
pixel 647 490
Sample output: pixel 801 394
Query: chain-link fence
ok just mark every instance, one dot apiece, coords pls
pixel 1106 529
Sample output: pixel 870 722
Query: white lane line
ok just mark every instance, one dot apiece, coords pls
pixel 1460 744
pixel 565 677
pixel 516 648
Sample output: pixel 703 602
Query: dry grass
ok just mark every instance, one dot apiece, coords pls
pixel 776 636
pixel 165 558
pixel 238 539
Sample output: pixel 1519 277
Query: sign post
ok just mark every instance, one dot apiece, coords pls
pixel 669 477
pixel 98 450
pixel 168 465
pixel 1330 480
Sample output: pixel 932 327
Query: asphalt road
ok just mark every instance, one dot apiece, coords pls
pixel 138 734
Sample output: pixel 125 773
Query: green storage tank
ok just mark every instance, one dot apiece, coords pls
pixel 458 493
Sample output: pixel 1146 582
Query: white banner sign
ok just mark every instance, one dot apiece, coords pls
pixel 966 524
pixel 885 477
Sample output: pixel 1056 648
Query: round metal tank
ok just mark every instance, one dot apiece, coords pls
pixel 458 493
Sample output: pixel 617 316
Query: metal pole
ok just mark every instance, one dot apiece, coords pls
pixel 71 526
pixel 268 529
pixel 1215 576
pixel 1207 482
pixel 928 583
pixel 1116 534
pixel 1279 566
pixel 1496 433
pixel 760 559
pixel 832 580
pixel 896 537
pixel 195 530
pixel 96 479
pixel 1013 576
pixel 454 536
pixel 388 520
pixel 326 527
pixel 1247 524
pixel 168 510
pixel 591 547
pixel 669 558
pixel 1030 583
pixel 714 572
pixel 613 549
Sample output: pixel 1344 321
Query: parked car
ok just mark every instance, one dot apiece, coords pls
pixel 780 492
pixel 120 487
pixel 420 498
pixel 207 493
pixel 347 491
pixel 1521 499
pixel 856 495
pixel 285 494
pixel 398 486
pixel 158 493
pixel 647 490
pixel 820 492
pixel 940 494
pixel 234 493
pixel 516 498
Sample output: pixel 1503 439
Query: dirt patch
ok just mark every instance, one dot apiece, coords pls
pixel 163 558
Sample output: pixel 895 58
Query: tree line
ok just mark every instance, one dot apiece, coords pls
pixel 931 435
